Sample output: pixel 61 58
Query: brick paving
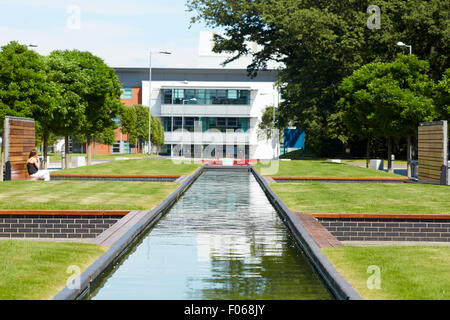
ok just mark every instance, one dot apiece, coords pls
pixel 320 234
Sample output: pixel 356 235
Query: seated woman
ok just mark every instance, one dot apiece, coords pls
pixel 34 166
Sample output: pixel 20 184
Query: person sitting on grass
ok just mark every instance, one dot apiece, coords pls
pixel 34 167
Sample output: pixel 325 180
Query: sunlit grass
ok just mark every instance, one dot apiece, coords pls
pixel 364 197
pixel 39 270
pixel 405 272
pixel 316 168
pixel 84 195
pixel 137 167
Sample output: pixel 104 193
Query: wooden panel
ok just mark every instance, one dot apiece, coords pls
pixel 429 136
pixel 17 149
pixel 22 123
pixel 431 151
pixel 429 156
pixel 21 142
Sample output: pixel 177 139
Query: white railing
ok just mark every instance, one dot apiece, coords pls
pixel 205 110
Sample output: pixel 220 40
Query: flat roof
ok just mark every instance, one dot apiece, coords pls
pixel 133 76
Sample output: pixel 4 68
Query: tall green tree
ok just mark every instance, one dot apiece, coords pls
pixel 442 97
pixel 319 43
pixel 26 90
pixel 101 96
pixel 388 100
pixel 66 70
pixel 134 122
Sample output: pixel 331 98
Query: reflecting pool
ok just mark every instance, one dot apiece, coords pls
pixel 221 240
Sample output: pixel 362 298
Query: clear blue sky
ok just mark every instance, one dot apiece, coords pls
pixel 120 32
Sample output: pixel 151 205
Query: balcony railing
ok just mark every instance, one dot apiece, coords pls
pixel 205 110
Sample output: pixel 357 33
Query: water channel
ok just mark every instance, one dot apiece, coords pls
pixel 221 240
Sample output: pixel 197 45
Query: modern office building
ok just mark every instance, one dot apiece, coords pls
pixel 206 113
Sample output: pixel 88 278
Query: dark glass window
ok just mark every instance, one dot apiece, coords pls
pixel 167 96
pixel 167 124
pixel 206 96
pixel 232 123
pixel 177 123
pixel 178 96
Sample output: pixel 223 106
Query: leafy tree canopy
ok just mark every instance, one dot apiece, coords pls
pixel 25 90
pixel 322 42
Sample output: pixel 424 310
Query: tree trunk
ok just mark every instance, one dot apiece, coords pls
pixel 390 169
pixel 45 147
pixel 409 155
pixel 66 150
pixel 88 151
pixel 368 153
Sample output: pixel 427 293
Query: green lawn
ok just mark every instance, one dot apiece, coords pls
pixel 136 167
pixel 406 272
pixel 316 168
pixel 363 161
pixel 84 195
pixel 364 197
pixel 38 270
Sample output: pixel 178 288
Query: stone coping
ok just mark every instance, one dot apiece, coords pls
pixel 381 216
pixel 338 179
pixel 338 286
pixel 29 212
pixel 115 175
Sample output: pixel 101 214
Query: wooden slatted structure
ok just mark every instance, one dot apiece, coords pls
pixel 433 157
pixel 19 138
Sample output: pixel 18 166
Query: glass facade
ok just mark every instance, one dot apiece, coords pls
pixel 206 96
pixel 205 123
pixel 207 151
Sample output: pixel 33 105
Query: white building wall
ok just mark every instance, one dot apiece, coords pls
pixel 262 94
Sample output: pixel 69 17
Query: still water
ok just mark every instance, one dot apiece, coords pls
pixel 221 240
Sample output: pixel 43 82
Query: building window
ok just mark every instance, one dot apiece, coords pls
pixel 206 96
pixel 178 96
pixel 127 93
pixel 206 123
pixel 167 96
pixel 167 124
pixel 117 121
pixel 177 123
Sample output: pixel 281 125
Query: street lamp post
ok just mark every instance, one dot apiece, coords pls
pixel 150 98
pixel 182 122
pixel 409 155
pixel 401 44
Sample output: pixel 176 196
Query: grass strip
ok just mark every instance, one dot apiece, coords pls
pixel 84 195
pixel 364 197
pixel 316 168
pixel 39 270
pixel 137 167
pixel 403 272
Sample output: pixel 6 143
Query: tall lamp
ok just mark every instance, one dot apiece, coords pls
pixel 150 98
pixel 401 44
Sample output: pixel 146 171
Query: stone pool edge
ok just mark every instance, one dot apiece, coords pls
pixel 94 272
pixel 339 287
